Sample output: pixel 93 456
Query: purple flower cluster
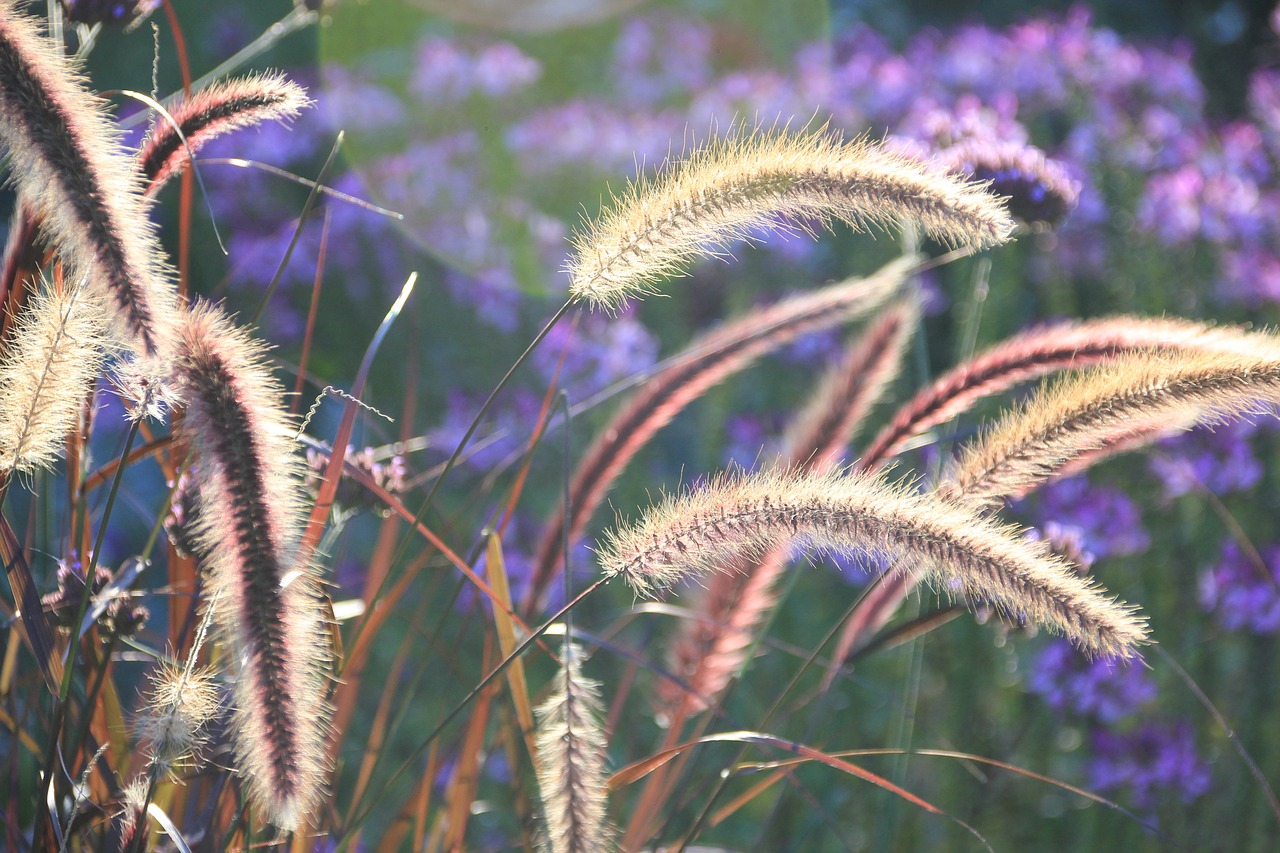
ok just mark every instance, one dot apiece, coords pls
pixel 1220 459
pixel 1107 519
pixel 1099 689
pixel 1148 761
pixel 1243 590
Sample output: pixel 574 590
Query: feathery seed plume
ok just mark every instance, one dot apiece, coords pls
pixel 709 360
pixel 572 755
pixel 706 529
pixel 221 108
pixel 53 355
pixel 1042 350
pixel 711 648
pixel 268 606
pixel 64 161
pixel 785 180
pixel 1111 406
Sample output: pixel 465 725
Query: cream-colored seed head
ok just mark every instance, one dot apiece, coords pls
pixel 786 180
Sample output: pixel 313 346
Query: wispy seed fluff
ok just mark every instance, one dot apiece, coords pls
pixel 730 188
pixel 572 754
pixel 53 355
pixel 268 606
pixel 179 706
pixel 64 160
pixel 221 108
pixel 706 529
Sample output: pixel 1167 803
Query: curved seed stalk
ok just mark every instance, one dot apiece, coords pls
pixel 711 647
pixel 268 606
pixel 64 159
pixel 728 189
pixel 221 108
pixel 707 362
pixel 705 530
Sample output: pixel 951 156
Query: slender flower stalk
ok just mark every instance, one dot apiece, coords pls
pixel 221 108
pixel 708 361
pixel 268 606
pixel 572 753
pixel 713 646
pixel 1109 407
pixel 64 161
pixel 727 190
pixel 705 530
pixel 53 355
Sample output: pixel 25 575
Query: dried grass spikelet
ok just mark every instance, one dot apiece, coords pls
pixel 132 830
pixel 180 703
pixel 54 353
pixel 63 158
pixel 733 186
pixel 966 555
pixel 708 361
pixel 1039 351
pixel 710 649
pixel 1112 407
pixel 268 605
pixel 572 752
pixel 220 108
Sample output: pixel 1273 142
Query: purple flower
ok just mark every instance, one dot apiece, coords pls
pixel 1108 519
pixel 1149 763
pixel 597 352
pixel 1070 683
pixel 1220 460
pixel 1244 596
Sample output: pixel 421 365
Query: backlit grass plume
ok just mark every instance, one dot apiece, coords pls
pixel 64 159
pixel 706 529
pixel 268 606
pixel 708 361
pixel 221 108
pixel 1111 407
pixel 712 647
pixel 730 188
pixel 572 753
pixel 52 356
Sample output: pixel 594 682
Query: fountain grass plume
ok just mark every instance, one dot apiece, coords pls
pixel 705 530
pixel 1039 351
pixel 709 360
pixel 220 108
pixel 53 355
pixel 267 600
pixel 571 764
pixel 64 159
pixel 1112 407
pixel 711 648
pixel 732 187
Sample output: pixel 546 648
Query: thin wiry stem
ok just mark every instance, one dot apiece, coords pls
pixel 966 555
pixel 785 180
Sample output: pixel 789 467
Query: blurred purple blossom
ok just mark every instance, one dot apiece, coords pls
pixel 1107 518
pixel 447 72
pixel 1243 595
pixel 1220 459
pixel 598 351
pixel 1149 763
pixel 1104 690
